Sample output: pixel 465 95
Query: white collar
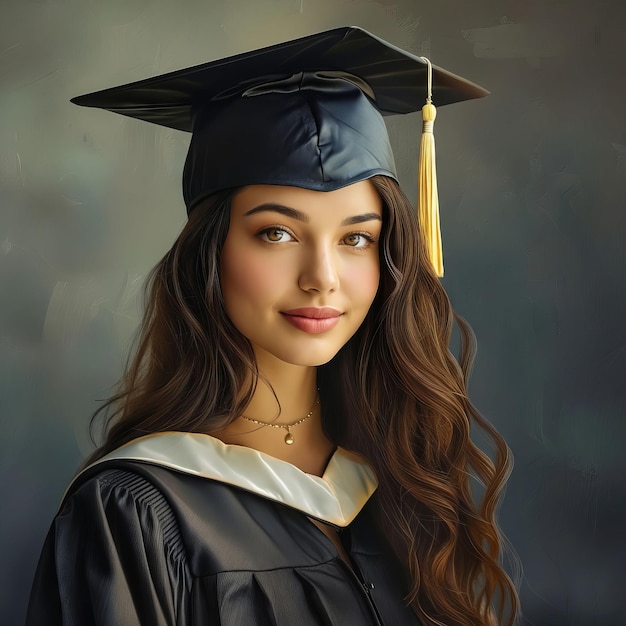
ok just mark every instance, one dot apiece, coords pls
pixel 336 497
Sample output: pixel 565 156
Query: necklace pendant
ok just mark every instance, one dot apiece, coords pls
pixel 288 438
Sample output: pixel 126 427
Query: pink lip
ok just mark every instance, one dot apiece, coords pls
pixel 312 320
pixel 314 312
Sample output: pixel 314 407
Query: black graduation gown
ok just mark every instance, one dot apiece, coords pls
pixel 145 539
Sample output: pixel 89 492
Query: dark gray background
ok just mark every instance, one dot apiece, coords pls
pixel 532 197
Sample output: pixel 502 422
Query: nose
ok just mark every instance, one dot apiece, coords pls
pixel 319 271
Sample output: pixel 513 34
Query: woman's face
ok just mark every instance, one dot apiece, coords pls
pixel 300 268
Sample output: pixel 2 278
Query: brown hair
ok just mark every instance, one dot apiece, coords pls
pixel 402 395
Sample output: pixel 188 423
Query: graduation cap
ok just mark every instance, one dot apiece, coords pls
pixel 305 113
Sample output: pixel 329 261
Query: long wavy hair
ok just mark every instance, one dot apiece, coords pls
pixel 394 393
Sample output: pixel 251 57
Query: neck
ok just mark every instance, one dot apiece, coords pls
pixel 284 394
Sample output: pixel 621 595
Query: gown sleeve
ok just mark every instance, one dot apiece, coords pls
pixel 113 555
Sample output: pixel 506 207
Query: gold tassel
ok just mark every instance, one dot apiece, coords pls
pixel 428 197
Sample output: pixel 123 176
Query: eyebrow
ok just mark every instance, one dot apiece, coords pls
pixel 303 217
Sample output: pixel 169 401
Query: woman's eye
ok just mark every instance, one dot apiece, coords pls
pixel 275 235
pixel 358 240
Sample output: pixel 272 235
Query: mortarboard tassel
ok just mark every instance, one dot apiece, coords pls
pixel 428 197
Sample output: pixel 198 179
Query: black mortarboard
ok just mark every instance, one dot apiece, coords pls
pixel 304 113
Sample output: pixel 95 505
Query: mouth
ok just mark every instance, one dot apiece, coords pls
pixel 312 320
pixel 316 313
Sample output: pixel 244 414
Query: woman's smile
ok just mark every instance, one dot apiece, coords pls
pixel 313 320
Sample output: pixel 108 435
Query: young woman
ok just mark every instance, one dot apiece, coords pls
pixel 291 441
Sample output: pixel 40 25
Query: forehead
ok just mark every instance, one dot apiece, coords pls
pixel 357 198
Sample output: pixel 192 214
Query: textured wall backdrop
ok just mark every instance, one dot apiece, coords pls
pixel 532 196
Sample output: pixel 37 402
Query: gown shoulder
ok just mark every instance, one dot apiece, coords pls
pixel 114 555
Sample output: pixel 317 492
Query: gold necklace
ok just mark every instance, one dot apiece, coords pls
pixel 288 437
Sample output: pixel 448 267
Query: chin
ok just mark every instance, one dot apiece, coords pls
pixel 303 357
pixel 309 360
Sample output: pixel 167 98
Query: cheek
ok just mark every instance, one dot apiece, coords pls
pixel 246 277
pixel 363 281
